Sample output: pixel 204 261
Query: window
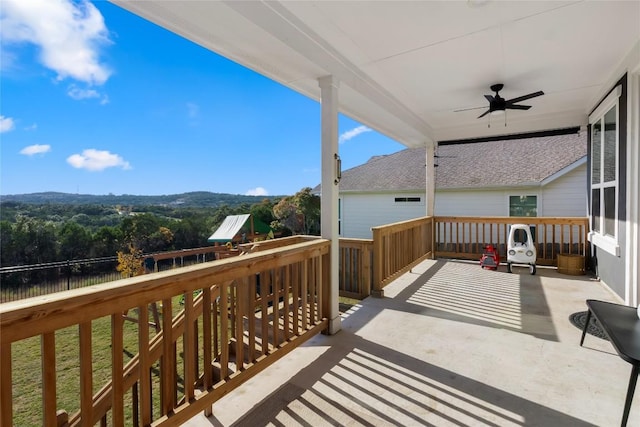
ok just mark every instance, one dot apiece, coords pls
pixel 603 124
pixel 339 217
pixel 407 199
pixel 523 206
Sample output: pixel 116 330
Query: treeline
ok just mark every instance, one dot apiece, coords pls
pixel 40 233
pixel 192 199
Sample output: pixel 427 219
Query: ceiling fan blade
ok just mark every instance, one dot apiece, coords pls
pixel 484 114
pixel 489 98
pixel 517 107
pixel 525 97
pixel 468 109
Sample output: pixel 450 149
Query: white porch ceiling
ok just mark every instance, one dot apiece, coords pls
pixel 404 67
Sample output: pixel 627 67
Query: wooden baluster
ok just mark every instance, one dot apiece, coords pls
pixel 86 374
pixel 48 349
pixel 276 308
pixel 145 365
pixel 6 389
pixel 287 297
pixel 319 283
pixel 188 347
pixel 117 364
pixel 241 286
pixel 251 316
pixel 168 370
pixel 297 283
pixel 265 284
pixel 216 316
pixel 224 331
pixel 303 292
pixel 206 344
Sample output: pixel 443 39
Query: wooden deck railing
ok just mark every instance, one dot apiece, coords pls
pixel 465 237
pixel 356 267
pixel 398 247
pixel 221 323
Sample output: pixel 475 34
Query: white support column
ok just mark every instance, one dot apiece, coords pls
pixel 430 188
pixel 330 188
pixel 632 294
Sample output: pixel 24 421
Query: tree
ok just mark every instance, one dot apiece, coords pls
pixel 190 232
pixel 263 211
pixel 130 263
pixel 75 241
pixel 299 213
pixel 308 205
pixel 106 241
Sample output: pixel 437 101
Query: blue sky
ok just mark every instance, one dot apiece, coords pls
pixel 95 100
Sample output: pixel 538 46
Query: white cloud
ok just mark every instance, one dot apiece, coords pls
pixel 97 160
pixel 6 124
pixel 258 191
pixel 69 35
pixel 350 134
pixel 35 149
pixel 78 94
pixel 31 127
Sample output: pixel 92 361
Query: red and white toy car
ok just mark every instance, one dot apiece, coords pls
pixel 490 258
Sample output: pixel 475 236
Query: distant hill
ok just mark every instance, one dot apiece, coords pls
pixel 193 199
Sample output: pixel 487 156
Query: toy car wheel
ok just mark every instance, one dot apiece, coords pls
pixel 532 269
pixel 508 267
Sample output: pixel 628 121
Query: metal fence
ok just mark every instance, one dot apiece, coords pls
pixel 25 281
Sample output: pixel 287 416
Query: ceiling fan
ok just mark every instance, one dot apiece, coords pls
pixel 499 104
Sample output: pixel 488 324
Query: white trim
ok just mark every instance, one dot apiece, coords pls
pixel 606 243
pixel 632 248
pixel 609 243
pixel 603 106
pixel 563 171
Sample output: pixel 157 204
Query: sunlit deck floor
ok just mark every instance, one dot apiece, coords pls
pixel 449 344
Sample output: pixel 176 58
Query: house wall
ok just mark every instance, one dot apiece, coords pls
pixel 564 196
pixel 360 212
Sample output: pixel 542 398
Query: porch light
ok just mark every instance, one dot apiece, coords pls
pixel 338 171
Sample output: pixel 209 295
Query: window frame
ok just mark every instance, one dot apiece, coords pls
pixel 523 195
pixel 599 237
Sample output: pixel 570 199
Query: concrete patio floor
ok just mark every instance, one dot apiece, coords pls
pixel 449 344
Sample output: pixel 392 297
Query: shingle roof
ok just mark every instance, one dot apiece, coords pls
pixel 471 165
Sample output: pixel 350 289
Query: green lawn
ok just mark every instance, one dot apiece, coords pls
pixel 27 371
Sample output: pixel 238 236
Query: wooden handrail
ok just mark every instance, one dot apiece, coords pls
pixel 229 286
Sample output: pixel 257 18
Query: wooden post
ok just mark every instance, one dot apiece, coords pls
pixel 48 349
pixel 378 260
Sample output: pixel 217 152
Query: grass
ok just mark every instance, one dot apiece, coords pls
pixel 27 370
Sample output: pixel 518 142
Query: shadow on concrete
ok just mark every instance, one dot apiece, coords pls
pixel 461 292
pixel 361 382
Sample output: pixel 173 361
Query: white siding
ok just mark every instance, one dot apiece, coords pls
pixel 360 212
pixel 567 195
pixel 472 203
